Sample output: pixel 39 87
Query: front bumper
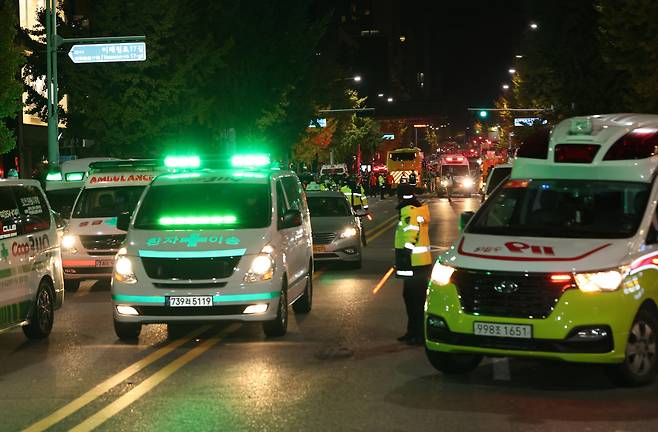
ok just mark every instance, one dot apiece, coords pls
pixel 82 266
pixel 552 337
pixel 348 250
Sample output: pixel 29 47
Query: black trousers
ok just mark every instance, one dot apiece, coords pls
pixel 414 292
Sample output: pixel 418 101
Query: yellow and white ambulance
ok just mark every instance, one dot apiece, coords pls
pixel 91 239
pixel 561 262
pixel 31 285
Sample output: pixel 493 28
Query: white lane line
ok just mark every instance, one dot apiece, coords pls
pixel 501 369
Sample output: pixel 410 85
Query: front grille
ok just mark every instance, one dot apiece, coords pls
pixel 323 238
pixel 102 242
pixel 190 268
pixel 535 297
pixel 206 285
pixel 166 311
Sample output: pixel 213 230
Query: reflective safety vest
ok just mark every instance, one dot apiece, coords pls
pixel 381 180
pixel 355 198
pixel 313 186
pixel 412 240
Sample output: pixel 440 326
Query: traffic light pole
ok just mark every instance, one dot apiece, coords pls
pixel 53 42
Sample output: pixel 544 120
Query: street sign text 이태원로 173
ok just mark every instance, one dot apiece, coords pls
pixel 110 52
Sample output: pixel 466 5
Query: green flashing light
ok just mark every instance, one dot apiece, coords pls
pixel 182 161
pixel 248 175
pixel 74 176
pixel 483 114
pixel 183 175
pixel 198 220
pixel 253 161
pixel 54 176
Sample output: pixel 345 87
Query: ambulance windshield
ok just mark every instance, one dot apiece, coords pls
pixel 107 201
pixel 563 208
pixel 207 205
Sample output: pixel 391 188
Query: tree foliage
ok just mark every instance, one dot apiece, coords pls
pixel 11 59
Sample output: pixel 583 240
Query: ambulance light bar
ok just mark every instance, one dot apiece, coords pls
pixel 197 220
pixel 125 165
pixel 250 161
pixel 54 176
pixel 182 161
pixel 74 176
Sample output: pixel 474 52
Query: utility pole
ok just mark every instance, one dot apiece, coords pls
pixel 51 83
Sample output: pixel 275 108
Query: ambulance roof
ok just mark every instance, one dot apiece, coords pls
pixel 126 178
pixel 617 147
pixel 260 176
pixel 19 182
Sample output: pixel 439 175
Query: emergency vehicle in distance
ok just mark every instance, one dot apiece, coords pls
pixel 31 285
pixel 561 261
pixel 454 176
pixel 402 162
pixel 92 239
pixel 215 244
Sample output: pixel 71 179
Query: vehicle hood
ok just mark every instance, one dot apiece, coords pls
pixel 93 226
pixel 187 242
pixel 535 254
pixel 331 224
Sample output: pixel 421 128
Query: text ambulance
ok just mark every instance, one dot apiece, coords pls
pixel 561 262
pixel 31 285
pixel 228 244
pixel 92 239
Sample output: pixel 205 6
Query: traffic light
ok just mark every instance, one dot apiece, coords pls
pixel 483 114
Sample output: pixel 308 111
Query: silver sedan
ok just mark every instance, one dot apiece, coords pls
pixel 336 228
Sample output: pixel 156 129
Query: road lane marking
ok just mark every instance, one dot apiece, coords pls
pixel 501 369
pixel 111 382
pixel 383 280
pixel 387 221
pixel 149 383
pixel 391 224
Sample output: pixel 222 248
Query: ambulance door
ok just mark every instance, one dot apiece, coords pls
pixel 297 252
pixel 14 292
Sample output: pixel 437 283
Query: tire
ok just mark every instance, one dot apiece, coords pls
pixel 304 304
pixel 43 313
pixel 127 331
pixel 639 366
pixel 279 325
pixel 453 363
pixel 71 285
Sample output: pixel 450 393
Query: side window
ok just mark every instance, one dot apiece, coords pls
pixel 9 214
pixel 33 207
pixel 281 206
pixel 293 193
pixel 652 235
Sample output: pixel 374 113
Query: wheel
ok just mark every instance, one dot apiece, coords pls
pixel 305 302
pixel 639 366
pixel 71 285
pixel 127 331
pixel 453 363
pixel 279 325
pixel 43 314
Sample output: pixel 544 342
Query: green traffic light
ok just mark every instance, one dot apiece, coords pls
pixel 483 114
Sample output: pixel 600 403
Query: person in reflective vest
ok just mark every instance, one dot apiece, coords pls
pixel 353 194
pixel 413 259
pixel 381 181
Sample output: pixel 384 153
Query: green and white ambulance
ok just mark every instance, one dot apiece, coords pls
pixel 561 262
pixel 215 245
pixel 31 285
pixel 91 239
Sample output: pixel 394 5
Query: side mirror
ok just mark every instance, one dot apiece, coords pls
pixel 464 218
pixel 59 220
pixel 291 219
pixel 123 221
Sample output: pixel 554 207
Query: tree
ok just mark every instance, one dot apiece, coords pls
pixel 354 131
pixel 11 60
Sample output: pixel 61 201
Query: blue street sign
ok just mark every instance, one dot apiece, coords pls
pixel 106 53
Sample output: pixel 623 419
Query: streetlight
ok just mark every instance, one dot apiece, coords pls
pixel 534 25
pixel 511 70
pixel 380 94
pixel 357 78
pixel 390 99
pixel 505 86
pixel 519 56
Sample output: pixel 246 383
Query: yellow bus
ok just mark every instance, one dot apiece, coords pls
pixel 401 163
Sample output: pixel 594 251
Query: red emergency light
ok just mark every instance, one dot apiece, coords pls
pixel 455 159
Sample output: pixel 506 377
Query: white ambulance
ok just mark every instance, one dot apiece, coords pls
pixel 561 261
pixel 92 239
pixel 31 285
pixel 216 245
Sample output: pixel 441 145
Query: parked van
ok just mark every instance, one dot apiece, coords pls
pixel 31 284
pixel 561 261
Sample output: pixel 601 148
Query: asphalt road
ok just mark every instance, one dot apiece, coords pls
pixel 339 368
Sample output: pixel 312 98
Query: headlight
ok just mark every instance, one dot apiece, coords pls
pixel 608 280
pixel 441 274
pixel 444 182
pixel 123 270
pixel 68 241
pixel 262 268
pixel 468 183
pixel 348 232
